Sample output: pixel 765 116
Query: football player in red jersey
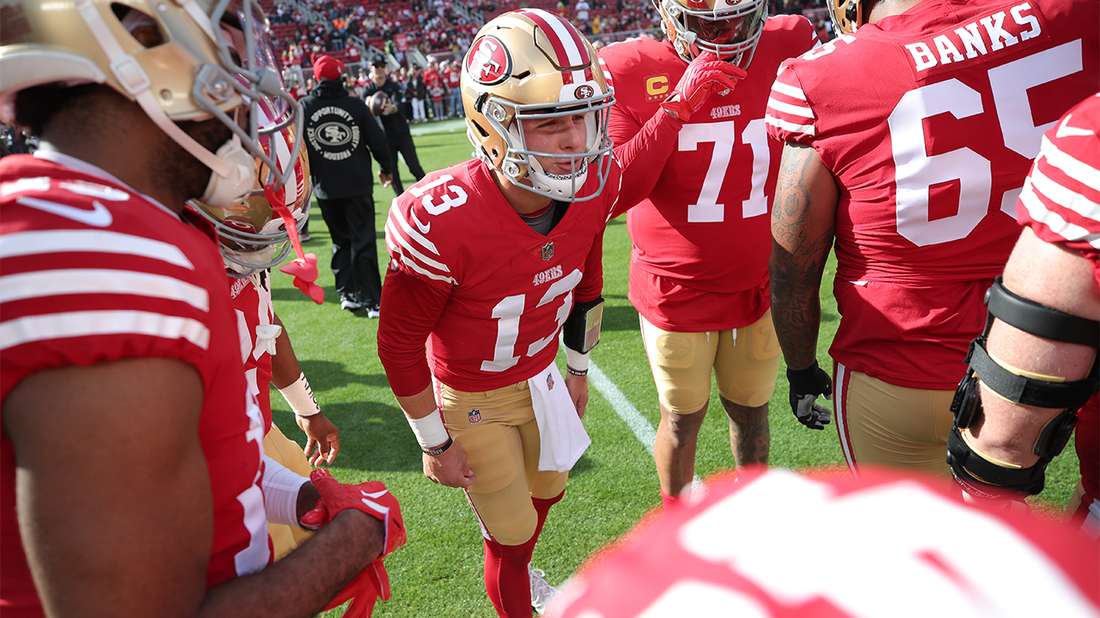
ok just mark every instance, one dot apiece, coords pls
pixel 1036 362
pixel 130 463
pixel 492 258
pixel 903 545
pixel 704 306
pixel 915 174
pixel 252 239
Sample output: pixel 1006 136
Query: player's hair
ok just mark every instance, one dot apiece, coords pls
pixel 35 107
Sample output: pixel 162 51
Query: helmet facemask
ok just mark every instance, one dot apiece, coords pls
pixel 520 163
pixel 252 236
pixel 846 15
pixel 729 30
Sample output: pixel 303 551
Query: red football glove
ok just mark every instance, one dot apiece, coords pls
pixel 704 76
pixel 368 586
pixel 373 499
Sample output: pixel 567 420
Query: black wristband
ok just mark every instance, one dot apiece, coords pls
pixel 576 372
pixel 439 451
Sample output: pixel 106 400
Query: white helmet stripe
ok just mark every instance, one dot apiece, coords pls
pixel 564 40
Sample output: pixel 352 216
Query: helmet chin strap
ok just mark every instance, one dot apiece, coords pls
pixel 227 190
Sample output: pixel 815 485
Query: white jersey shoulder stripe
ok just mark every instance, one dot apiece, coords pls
pixel 791 91
pixel 1073 167
pixel 43 283
pixel 794 110
pixel 804 129
pixel 414 235
pixel 412 258
pixel 91 323
pixel 91 241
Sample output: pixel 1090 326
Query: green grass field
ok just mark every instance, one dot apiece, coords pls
pixel 439 571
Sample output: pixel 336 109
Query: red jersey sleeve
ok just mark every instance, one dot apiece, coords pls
pixel 1061 197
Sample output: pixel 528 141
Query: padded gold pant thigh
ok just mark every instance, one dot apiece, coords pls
pixel 497 431
pixel 888 425
pixel 745 362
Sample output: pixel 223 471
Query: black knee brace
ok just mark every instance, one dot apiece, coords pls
pixel 971 468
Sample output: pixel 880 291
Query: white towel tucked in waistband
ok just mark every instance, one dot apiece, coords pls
pixel 561 433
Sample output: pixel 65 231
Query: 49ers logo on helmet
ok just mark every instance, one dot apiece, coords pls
pixel 584 91
pixel 488 61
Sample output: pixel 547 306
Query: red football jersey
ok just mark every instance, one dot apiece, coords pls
pixel 252 303
pixel 705 228
pixel 505 290
pixel 929 121
pixel 94 272
pixel 835 546
pixel 1061 204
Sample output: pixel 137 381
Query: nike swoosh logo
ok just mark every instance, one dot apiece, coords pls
pixel 424 229
pixel 99 216
pixel 1064 130
pixel 377 494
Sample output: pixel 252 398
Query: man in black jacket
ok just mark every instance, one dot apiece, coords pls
pixel 339 132
pixel 396 126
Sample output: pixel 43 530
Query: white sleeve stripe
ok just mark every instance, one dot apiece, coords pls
pixel 1071 166
pixel 414 266
pixel 407 250
pixel 791 91
pixel 90 323
pixel 1062 195
pixel 403 250
pixel 44 283
pixel 1057 224
pixel 413 234
pixel 807 129
pixel 91 241
pixel 795 110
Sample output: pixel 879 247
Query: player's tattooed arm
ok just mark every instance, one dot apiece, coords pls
pixel 803 218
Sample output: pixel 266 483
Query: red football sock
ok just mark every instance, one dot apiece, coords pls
pixel 506 578
pixel 669 501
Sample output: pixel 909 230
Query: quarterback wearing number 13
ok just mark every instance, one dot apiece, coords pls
pixel 492 258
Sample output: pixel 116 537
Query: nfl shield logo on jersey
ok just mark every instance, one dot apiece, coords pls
pixel 474 415
pixel 549 382
pixel 547 251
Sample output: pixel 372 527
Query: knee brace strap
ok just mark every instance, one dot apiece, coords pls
pixel 986 478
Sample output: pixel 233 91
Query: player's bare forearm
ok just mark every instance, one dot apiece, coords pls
pixel 803 216
pixel 305 580
pixel 284 364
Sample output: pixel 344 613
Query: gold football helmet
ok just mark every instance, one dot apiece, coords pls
pixel 181 60
pixel 252 236
pixel 728 28
pixel 847 15
pixel 532 64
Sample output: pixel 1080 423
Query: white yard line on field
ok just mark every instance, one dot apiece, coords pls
pixel 626 410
